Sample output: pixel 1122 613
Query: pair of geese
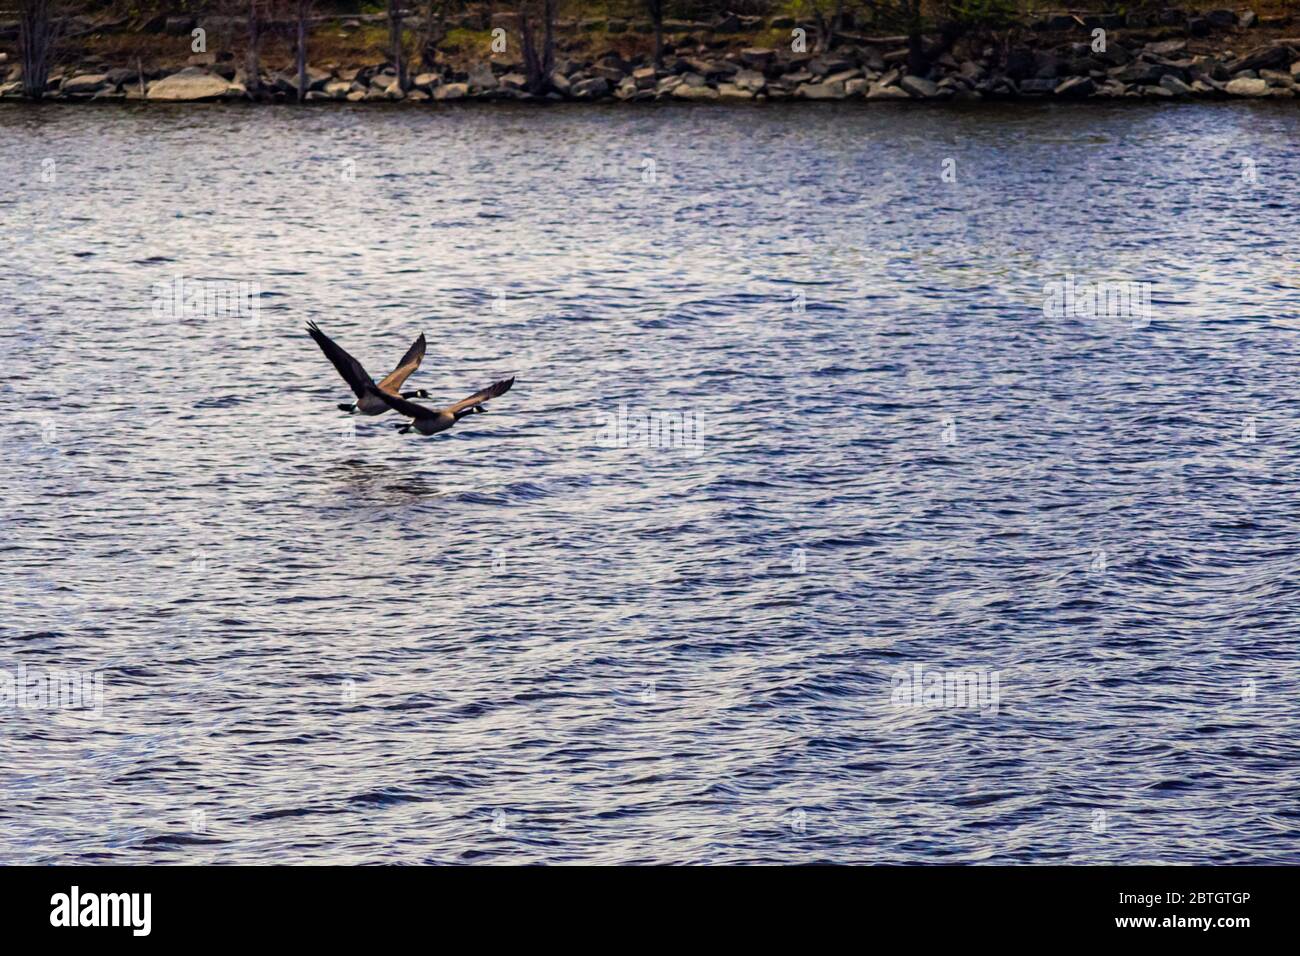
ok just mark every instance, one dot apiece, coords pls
pixel 376 398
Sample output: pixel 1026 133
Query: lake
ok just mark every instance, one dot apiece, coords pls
pixel 879 485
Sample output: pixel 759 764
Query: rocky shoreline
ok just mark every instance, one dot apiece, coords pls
pixel 1221 54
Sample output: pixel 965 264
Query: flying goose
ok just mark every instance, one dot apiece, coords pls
pixel 363 385
pixel 427 421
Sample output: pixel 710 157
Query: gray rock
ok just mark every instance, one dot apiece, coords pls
pixel 1271 77
pixel 644 78
pixel 85 84
pixel 1175 86
pixel 1037 87
pixel 881 92
pixel 919 87
pixel 449 91
pixel 1077 87
pixel 188 86
pixel 590 89
pixel 760 58
pixel 481 78
pixel 1248 19
pixel 561 84
pixel 821 91
pixel 424 81
pixel 687 92
pixel 856 88
pixel 729 91
pixel 1247 87
pixel 750 80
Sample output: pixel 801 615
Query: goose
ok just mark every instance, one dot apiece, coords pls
pixel 361 383
pixel 429 421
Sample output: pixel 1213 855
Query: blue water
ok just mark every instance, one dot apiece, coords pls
pixel 529 640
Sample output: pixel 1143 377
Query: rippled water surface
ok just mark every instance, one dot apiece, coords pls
pixel 529 640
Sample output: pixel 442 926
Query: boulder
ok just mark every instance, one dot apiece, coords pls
pixel 821 91
pixel 188 86
pixel 1077 87
pixel 1221 19
pixel 481 78
pixel 881 92
pixel 425 81
pixel 1272 57
pixel 760 58
pixel 1175 86
pixel 560 83
pixel 750 80
pixel 687 92
pixel 919 87
pixel 856 88
pixel 85 84
pixel 1247 87
pixel 590 89
pixel 450 91
pixel 1248 19
pixel 644 78
pixel 729 91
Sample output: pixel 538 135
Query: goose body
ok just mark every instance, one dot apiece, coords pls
pixel 430 421
pixel 363 386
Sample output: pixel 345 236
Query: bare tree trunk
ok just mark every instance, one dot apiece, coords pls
pixel 435 31
pixel 538 63
pixel 395 39
pixel 304 8
pixel 253 82
pixel 36 43
pixel 657 17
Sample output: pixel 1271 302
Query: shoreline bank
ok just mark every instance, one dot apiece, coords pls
pixel 1219 55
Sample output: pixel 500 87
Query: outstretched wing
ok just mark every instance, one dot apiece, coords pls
pixel 409 363
pixel 399 404
pixel 478 398
pixel 347 366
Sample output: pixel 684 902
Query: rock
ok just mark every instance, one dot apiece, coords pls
pixel 1247 87
pixel 450 91
pixel 201 59
pixel 881 92
pixel 590 89
pixel 178 26
pixel 337 89
pixel 687 92
pixel 415 96
pixel 1198 27
pixel 781 23
pixel 821 91
pixel 842 77
pixel 1077 87
pixel 188 86
pixel 1271 77
pixel 644 78
pixel 1247 19
pixel 1272 57
pixel 855 88
pixel 919 87
pixel 560 83
pixel 760 58
pixel 730 23
pixel 395 92
pixel 1037 87
pixel 750 80
pixel 668 84
pixel 1221 19
pixel 356 96
pixel 383 81
pixel 85 84
pixel 514 81
pixel 425 81
pixel 481 78
pixel 1166 47
pixel 729 91
pixel 1175 86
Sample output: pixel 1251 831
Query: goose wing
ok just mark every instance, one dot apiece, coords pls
pixel 347 366
pixel 478 398
pixel 399 404
pixel 409 363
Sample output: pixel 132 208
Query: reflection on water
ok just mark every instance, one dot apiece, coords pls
pixel 537 638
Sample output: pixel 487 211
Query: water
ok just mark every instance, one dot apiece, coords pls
pixel 525 640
